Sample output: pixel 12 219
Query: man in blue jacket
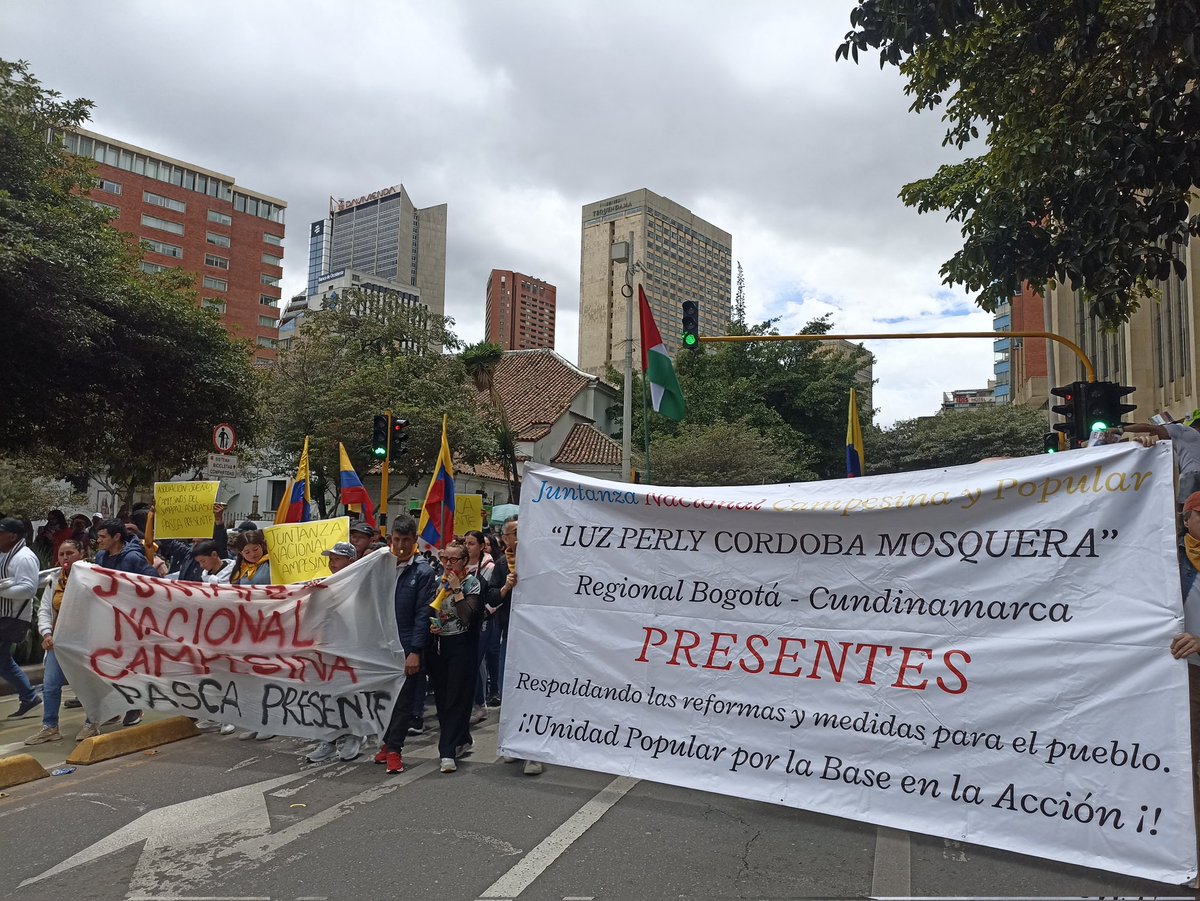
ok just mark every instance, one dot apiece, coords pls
pixel 416 587
pixel 116 554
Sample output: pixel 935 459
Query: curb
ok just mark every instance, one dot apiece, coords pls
pixel 131 740
pixel 20 768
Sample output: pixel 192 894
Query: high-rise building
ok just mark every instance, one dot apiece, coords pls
pixel 519 311
pixel 195 219
pixel 1019 364
pixel 373 294
pixel 683 258
pixel 383 234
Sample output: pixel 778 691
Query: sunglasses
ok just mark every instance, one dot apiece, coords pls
pixel 446 559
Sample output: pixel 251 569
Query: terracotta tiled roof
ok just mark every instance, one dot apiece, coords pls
pixel 586 445
pixel 536 387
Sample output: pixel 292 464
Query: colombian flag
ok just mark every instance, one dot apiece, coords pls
pixel 297 502
pixel 353 492
pixel 854 444
pixel 437 513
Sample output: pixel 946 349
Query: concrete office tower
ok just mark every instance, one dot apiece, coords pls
pixel 195 219
pixel 383 234
pixel 684 258
pixel 519 311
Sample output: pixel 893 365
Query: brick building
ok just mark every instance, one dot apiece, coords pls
pixel 195 219
pixel 519 311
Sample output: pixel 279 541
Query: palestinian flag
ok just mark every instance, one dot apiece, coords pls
pixel 665 396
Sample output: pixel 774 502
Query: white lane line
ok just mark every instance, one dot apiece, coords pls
pixel 533 864
pixel 892 876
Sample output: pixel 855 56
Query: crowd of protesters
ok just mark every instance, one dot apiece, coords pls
pixel 451 607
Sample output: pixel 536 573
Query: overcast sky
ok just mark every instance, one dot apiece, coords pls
pixel 518 113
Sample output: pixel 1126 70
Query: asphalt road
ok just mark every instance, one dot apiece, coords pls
pixel 212 817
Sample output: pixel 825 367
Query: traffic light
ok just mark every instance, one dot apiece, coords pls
pixel 399 437
pixel 1071 409
pixel 691 325
pixel 379 437
pixel 1102 407
pixel 1052 442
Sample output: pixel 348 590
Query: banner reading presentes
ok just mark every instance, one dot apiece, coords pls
pixel 184 509
pixel 313 661
pixel 296 548
pixel 979 652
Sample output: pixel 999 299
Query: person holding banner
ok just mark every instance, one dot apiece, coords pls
pixel 53 679
pixel 213 567
pixel 453 656
pixel 179 551
pixel 252 565
pixel 19 568
pixel 115 553
pixel 416 586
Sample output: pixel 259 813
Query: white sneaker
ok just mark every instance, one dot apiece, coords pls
pixel 228 729
pixel 246 735
pixel 504 758
pixel 448 765
pixel 323 751
pixel 262 736
pixel 349 747
pixel 207 725
pixel 533 768
pixel 478 715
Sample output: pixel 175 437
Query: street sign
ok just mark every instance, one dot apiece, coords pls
pixel 223 466
pixel 224 438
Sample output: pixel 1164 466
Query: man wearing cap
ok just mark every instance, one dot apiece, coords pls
pixel 362 536
pixel 340 556
pixel 1185 442
pixel 18 585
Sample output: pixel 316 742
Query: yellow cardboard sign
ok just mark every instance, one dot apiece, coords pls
pixel 184 509
pixel 468 514
pixel 295 548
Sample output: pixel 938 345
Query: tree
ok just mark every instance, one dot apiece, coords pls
pixel 718 453
pixel 1092 124
pixel 481 360
pixel 24 491
pixel 955 437
pixel 367 354
pixel 105 366
pixel 739 304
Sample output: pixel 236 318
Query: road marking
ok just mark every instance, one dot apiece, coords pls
pixel 533 864
pixel 892 876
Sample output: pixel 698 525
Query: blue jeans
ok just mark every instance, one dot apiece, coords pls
pixel 53 681
pixel 14 675
pixel 488 683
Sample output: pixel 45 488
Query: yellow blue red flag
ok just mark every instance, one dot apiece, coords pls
pixel 437 513
pixel 854 442
pixel 299 497
pixel 354 495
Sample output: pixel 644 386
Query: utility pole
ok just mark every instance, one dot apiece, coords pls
pixel 383 479
pixel 624 253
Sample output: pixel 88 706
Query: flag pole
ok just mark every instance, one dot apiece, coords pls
pixel 627 404
pixel 646 427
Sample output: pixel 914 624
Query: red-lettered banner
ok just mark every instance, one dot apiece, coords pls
pixel 314 660
pixel 978 652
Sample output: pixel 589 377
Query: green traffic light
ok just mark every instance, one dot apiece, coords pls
pixel 380 452
pixel 1052 450
pixel 1099 426
pixel 689 340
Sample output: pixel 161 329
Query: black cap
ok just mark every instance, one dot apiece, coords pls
pixel 245 526
pixel 13 525
pixel 361 526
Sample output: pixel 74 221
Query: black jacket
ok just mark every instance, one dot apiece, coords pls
pixel 416 587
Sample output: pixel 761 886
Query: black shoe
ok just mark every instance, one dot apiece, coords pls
pixel 25 707
pixel 416 728
pixel 72 703
pixel 493 702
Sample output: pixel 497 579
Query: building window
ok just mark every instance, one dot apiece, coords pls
pixel 216 284
pixel 264 341
pixel 151 268
pixel 273 239
pixel 269 280
pixel 217 240
pixel 211 259
pixel 110 186
pixel 165 202
pixel 267 300
pixel 211 303
pixel 266 321
pixel 271 260
pixel 167 250
pixel 153 222
pixel 107 207
pixel 262 361
pixel 220 218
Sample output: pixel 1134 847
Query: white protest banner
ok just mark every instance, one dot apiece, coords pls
pixel 979 652
pixel 315 661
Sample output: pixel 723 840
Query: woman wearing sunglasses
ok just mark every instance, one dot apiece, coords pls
pixel 452 657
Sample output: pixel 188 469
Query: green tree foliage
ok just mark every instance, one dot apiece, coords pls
pixel 362 356
pixel 1092 126
pixel 718 453
pixel 954 437
pixel 480 361
pixel 792 395
pixel 104 366
pixel 24 491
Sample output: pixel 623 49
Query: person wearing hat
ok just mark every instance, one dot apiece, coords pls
pixel 340 556
pixel 1185 442
pixel 18 584
pixel 362 536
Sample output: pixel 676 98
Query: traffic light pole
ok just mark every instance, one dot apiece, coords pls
pixel 1088 368
pixel 383 479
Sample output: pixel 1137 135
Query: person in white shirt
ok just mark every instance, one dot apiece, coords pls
pixel 214 569
pixel 53 679
pixel 18 585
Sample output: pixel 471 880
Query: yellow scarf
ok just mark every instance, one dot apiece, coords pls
pixel 246 571
pixel 59 587
pixel 1192 547
pixel 511 558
